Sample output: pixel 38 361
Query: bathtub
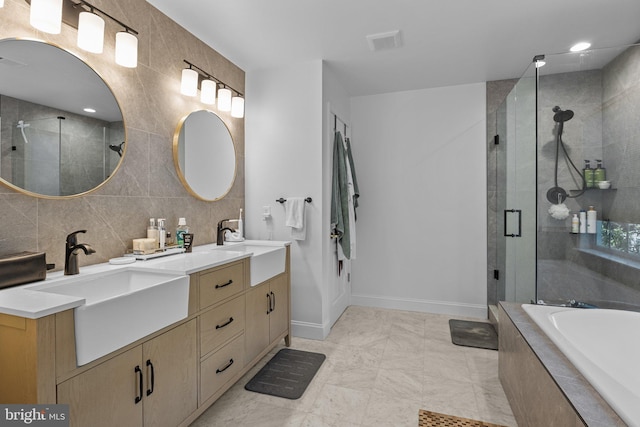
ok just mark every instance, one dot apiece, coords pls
pixel 604 345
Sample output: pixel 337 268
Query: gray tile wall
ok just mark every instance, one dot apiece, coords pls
pixel 146 185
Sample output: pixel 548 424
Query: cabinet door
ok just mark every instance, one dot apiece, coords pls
pixel 106 395
pixel 279 317
pixel 257 324
pixel 171 385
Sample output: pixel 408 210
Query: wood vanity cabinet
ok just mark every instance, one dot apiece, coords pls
pixel 166 379
pixel 267 314
pixel 153 384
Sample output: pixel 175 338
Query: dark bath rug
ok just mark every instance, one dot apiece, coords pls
pixel 287 374
pixel 473 334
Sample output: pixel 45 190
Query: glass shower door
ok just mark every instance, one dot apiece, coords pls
pixel 516 194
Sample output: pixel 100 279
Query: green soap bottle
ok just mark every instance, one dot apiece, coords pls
pixel 587 172
pixel 600 173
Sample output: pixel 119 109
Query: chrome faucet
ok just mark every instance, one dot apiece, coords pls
pixel 71 253
pixel 220 231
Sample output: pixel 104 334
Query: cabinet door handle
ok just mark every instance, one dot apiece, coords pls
pixel 137 371
pixel 219 371
pixel 224 284
pixel 225 323
pixel 273 301
pixel 268 303
pixel 150 390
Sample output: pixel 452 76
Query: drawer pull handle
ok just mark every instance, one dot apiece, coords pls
pixel 153 377
pixel 219 371
pixel 224 285
pixel 225 323
pixel 139 397
pixel 268 303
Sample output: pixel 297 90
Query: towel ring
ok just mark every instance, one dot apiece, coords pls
pixel 281 200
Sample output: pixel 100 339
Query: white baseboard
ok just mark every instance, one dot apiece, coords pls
pixel 312 331
pixel 423 306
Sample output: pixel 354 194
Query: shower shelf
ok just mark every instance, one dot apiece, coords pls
pixel 594 189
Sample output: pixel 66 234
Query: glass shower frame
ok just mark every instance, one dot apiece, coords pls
pixel 602 87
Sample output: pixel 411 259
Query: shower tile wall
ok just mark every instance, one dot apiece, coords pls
pixel 146 185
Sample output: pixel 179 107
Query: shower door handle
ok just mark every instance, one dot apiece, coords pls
pixel 506 213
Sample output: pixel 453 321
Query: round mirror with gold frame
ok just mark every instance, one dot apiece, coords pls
pixel 204 155
pixel 62 133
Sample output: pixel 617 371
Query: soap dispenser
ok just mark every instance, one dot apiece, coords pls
pixel 162 232
pixel 587 173
pixel 600 173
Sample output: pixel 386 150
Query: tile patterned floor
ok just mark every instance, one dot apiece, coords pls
pixel 382 366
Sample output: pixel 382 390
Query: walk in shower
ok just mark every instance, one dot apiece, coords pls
pixel 56 155
pixel 565 109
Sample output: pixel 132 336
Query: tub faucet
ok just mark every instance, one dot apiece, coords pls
pixel 220 231
pixel 71 253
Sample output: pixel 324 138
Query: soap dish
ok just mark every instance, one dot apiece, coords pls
pixel 122 260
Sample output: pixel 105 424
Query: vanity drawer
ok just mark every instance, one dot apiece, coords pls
pixel 219 324
pixel 222 283
pixel 221 367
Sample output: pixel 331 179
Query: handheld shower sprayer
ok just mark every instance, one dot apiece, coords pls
pixel 21 125
pixel 117 148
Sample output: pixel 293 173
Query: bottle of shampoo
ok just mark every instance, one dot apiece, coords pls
pixel 599 174
pixel 180 232
pixel 587 172
pixel 591 220
pixel 240 226
pixel 575 224
pixel 162 232
pixel 583 221
pixel 152 231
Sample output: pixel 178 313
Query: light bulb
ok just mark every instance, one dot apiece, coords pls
pixel 224 99
pixel 208 92
pixel 90 32
pixel 126 49
pixel 189 85
pixel 237 107
pixel 46 15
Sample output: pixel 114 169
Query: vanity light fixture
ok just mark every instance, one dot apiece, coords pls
pixel 1 3
pixel 208 91
pixel 224 99
pixel 90 32
pixel 48 15
pixel 194 76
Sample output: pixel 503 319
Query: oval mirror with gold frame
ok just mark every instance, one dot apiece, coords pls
pixel 204 155
pixel 62 130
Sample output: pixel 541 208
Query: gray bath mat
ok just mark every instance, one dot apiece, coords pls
pixel 287 374
pixel 473 334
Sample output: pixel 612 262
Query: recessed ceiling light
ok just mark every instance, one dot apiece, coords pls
pixel 578 47
pixel 384 41
pixel 89 110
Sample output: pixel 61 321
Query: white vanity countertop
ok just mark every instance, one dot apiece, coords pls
pixel 25 302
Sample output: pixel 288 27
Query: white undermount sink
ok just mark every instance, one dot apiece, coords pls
pixel 121 307
pixel 266 260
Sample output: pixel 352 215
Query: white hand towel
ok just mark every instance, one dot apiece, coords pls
pixel 294 217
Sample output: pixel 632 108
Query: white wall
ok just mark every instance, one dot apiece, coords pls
pixel 421 229
pixel 283 158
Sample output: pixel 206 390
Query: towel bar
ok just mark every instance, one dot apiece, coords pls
pixel 281 200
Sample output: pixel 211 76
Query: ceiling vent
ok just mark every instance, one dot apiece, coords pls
pixel 384 41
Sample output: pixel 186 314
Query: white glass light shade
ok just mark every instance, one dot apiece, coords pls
pixel 237 107
pixel 46 15
pixel 126 49
pixel 189 84
pixel 90 32
pixel 224 99
pixel 208 92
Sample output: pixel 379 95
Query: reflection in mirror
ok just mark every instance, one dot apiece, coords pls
pixel 204 155
pixel 51 144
